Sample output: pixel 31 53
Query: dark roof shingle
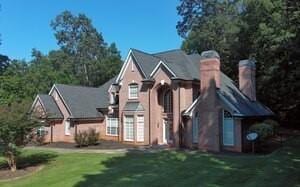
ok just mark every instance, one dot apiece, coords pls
pixel 51 109
pixel 84 101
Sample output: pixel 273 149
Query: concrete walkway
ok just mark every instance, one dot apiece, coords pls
pixel 105 151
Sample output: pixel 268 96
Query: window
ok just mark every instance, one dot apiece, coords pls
pixel 41 131
pixel 167 101
pixel 67 128
pixel 133 91
pixel 195 128
pixel 140 128
pixel 112 126
pixel 128 128
pixel 228 129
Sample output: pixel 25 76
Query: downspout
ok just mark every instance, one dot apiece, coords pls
pixel 179 115
pixel 149 101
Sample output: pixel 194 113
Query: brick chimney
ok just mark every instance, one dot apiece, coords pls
pixel 209 133
pixel 247 78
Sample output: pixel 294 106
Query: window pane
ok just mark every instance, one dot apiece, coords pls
pixel 140 128
pixel 128 128
pixel 112 126
pixel 228 131
pixel 133 91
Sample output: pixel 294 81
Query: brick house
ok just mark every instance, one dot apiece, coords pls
pixel 166 98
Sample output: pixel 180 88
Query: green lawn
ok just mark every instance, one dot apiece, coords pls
pixel 169 168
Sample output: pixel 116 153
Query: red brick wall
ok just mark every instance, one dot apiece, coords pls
pixel 133 75
pixel 247 81
pixel 209 108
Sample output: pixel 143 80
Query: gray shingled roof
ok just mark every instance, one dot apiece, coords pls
pixel 146 61
pixel 84 101
pixel 180 63
pixel 177 60
pixel 238 102
pixel 51 109
pixel 133 106
pixel 186 67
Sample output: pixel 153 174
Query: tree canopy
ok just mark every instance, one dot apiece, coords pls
pixel 267 30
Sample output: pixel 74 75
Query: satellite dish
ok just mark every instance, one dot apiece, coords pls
pixel 252 136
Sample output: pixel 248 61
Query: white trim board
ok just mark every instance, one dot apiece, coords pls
pixel 161 63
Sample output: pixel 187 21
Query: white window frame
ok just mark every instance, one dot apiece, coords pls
pixel 131 139
pixel 225 141
pixel 112 123
pixel 130 88
pixel 140 128
pixel 67 128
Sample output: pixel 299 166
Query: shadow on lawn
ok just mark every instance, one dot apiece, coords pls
pixel 166 168
pixel 176 168
pixel 29 160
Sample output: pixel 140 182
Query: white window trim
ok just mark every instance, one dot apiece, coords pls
pixel 137 92
pixel 137 126
pixel 233 139
pixel 108 123
pixel 67 130
pixel 124 132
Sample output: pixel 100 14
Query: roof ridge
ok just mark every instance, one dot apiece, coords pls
pixel 133 49
pixel 72 85
pixel 168 51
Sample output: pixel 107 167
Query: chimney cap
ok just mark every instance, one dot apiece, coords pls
pixel 247 62
pixel 210 54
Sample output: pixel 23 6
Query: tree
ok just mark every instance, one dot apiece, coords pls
pixel 4 62
pixel 16 128
pixel 86 47
pixel 267 30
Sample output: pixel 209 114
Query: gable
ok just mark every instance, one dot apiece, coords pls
pixel 37 108
pixel 162 66
pixel 129 63
pixel 46 107
pixel 54 92
pixel 132 73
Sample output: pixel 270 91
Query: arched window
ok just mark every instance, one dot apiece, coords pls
pixel 195 127
pixel 168 101
pixel 228 129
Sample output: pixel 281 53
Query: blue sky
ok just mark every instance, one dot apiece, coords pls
pixel 148 25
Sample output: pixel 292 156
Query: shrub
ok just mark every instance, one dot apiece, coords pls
pixel 273 123
pixel 85 138
pixel 81 138
pixel 93 137
pixel 41 135
pixel 263 130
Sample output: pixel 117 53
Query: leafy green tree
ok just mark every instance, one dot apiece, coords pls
pixel 4 62
pixel 86 47
pixel 16 128
pixel 267 30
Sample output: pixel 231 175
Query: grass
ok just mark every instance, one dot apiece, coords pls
pixel 169 168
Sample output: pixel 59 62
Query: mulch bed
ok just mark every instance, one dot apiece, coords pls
pixel 101 145
pixel 6 174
